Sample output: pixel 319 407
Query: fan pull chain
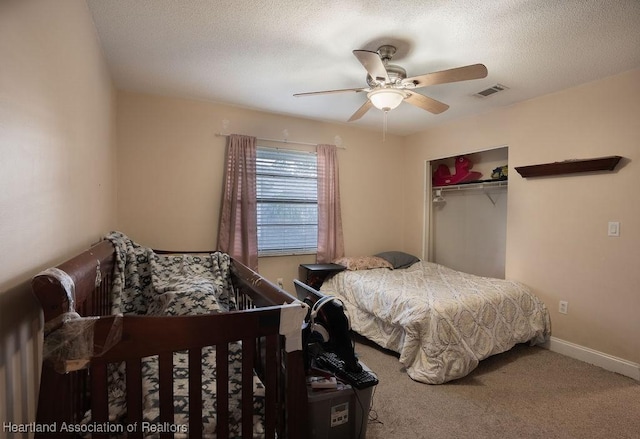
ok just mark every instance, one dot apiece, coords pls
pixel 384 125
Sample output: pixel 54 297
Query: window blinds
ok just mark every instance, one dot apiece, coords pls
pixel 287 201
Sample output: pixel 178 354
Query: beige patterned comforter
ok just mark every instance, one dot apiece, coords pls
pixel 442 322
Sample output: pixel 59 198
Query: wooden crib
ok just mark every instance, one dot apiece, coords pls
pixel 65 399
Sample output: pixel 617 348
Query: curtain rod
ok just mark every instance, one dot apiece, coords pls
pixel 293 142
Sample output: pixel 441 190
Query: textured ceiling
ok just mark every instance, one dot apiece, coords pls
pixel 258 53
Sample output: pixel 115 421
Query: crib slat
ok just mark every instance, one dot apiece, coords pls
pixel 134 395
pixel 99 397
pixel 248 354
pixel 74 384
pixel 222 391
pixel 165 378
pixel 195 393
pixel 271 376
pixel 105 295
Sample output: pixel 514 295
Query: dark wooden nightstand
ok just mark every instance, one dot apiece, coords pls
pixel 314 274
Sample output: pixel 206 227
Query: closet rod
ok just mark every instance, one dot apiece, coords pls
pixel 471 186
pixel 293 142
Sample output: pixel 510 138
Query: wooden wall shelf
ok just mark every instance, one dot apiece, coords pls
pixel 570 166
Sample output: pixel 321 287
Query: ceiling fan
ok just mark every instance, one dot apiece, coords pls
pixel 388 84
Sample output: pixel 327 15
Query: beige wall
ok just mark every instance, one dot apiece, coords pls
pixel 57 170
pixel 171 165
pixel 557 226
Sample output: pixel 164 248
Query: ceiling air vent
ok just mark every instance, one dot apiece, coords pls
pixel 491 90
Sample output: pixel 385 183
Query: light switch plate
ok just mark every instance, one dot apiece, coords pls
pixel 614 228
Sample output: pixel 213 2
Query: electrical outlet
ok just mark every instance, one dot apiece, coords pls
pixel 280 282
pixel 564 307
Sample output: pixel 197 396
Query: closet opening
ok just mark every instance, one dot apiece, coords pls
pixel 466 211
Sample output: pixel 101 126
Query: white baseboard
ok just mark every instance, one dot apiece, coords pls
pixel 600 359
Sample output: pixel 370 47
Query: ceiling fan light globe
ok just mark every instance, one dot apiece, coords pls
pixel 386 99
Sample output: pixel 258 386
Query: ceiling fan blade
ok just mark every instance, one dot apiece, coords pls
pixel 474 71
pixel 426 103
pixel 361 111
pixel 374 65
pixel 342 90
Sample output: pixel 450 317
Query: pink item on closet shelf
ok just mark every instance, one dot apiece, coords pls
pixel 443 177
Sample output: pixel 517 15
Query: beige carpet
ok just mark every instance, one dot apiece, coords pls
pixel 528 392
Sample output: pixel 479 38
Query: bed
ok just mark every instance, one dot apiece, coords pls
pixel 132 334
pixel 442 322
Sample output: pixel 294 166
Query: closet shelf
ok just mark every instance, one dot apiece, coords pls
pixel 480 184
pixel 570 166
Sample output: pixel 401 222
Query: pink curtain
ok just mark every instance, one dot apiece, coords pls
pixel 330 238
pixel 237 234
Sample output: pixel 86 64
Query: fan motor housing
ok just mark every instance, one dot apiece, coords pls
pixel 396 75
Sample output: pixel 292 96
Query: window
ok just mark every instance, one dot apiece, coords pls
pixel 287 201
